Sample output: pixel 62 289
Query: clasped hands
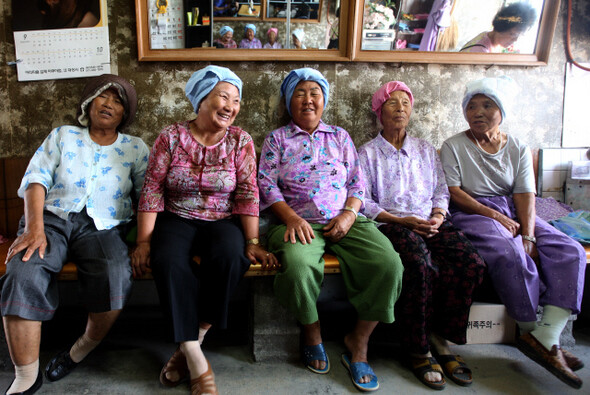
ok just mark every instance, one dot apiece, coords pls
pixel 423 227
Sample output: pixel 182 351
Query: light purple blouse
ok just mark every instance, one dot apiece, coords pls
pixel 255 43
pixel 405 182
pixel 314 174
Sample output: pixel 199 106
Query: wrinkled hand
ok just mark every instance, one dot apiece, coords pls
pixel 508 223
pixel 31 240
pixel 256 253
pixel 531 250
pixel 298 227
pixel 425 228
pixel 140 259
pixel 339 226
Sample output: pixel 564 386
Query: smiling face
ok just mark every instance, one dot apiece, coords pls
pixel 483 114
pixel 220 107
pixel 227 37
pixel 395 112
pixel 307 105
pixel 250 34
pixel 106 110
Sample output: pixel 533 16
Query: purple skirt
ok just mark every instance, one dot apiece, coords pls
pixel 522 286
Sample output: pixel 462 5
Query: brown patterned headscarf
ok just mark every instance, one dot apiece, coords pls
pixel 99 84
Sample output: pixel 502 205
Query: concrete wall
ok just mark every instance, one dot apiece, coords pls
pixel 28 110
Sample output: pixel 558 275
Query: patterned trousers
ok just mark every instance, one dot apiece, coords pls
pixel 440 274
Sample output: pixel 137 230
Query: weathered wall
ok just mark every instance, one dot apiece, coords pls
pixel 28 110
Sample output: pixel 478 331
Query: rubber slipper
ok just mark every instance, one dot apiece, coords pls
pixel 421 366
pixel 450 364
pixel 357 371
pixel 315 353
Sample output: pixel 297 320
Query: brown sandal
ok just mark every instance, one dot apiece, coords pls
pixel 205 383
pixel 177 362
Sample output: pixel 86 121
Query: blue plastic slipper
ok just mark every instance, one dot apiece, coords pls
pixel 315 353
pixel 359 369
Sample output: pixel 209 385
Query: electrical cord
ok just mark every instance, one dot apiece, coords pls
pixel 567 39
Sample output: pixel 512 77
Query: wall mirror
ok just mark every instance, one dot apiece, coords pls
pixel 340 30
pixel 192 30
pixel 455 31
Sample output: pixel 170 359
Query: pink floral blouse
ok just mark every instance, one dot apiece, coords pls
pixel 198 182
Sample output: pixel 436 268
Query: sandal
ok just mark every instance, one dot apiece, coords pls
pixel 357 371
pixel 205 383
pixel 315 353
pixel 176 363
pixel 420 366
pixel 450 365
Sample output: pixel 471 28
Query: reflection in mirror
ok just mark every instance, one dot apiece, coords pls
pixel 498 26
pixel 230 24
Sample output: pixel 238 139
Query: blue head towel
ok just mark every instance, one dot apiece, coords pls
pixel 501 90
pixel 305 74
pixel 203 81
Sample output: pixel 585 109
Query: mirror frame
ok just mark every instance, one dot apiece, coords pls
pixel 351 38
pixel 145 53
pixel 540 57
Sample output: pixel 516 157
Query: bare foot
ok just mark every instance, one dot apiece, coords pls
pixel 358 348
pixel 312 336
pixel 441 346
pixel 431 377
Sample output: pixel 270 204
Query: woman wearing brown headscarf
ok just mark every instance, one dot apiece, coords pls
pixel 78 191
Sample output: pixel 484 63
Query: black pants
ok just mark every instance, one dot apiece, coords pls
pixel 189 292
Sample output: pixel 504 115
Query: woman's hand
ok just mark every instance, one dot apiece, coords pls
pixel 31 240
pixel 531 250
pixel 510 224
pixel 298 227
pixel 339 226
pixel 425 228
pixel 140 259
pixel 255 253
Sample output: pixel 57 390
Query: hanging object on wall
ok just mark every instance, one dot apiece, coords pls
pixel 60 39
pixel 166 20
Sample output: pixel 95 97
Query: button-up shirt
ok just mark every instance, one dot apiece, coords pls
pixel 405 182
pixel 313 173
pixel 77 172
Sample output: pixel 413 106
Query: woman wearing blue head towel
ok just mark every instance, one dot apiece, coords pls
pixel 200 197
pixel 310 178
pixel 250 41
pixel 531 264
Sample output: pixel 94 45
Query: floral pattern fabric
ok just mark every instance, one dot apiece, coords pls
pixel 405 182
pixel 199 182
pixel 313 173
pixel 255 43
pixel 78 173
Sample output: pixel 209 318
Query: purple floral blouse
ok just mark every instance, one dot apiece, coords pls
pixel 198 182
pixel 255 43
pixel 405 182
pixel 314 174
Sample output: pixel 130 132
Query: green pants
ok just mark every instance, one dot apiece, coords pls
pixel 371 269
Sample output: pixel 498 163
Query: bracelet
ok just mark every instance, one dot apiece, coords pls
pixel 532 239
pixel 350 208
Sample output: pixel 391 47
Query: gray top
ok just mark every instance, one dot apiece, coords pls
pixel 481 174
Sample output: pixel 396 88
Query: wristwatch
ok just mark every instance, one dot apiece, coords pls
pixel 253 241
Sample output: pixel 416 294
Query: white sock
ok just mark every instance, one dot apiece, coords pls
pixel 82 348
pixel 551 325
pixel 195 359
pixel 526 326
pixel 202 333
pixel 24 377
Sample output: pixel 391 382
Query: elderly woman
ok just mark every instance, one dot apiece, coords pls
pixel 272 35
pixel 310 178
pixel 531 264
pixel 508 24
pixel 298 35
pixel 78 191
pixel 225 39
pixel 407 194
pixel 250 41
pixel 200 197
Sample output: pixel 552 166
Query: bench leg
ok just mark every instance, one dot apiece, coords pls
pixel 274 332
